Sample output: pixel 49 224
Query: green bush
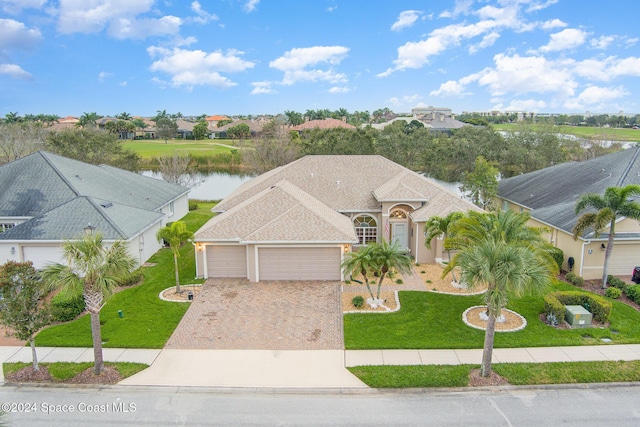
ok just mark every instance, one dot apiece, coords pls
pixel 554 304
pixel 357 301
pixel 615 282
pixel 633 292
pixel 399 281
pixel 570 276
pixel 193 205
pixel 613 293
pixel 574 279
pixel 65 308
pixel 132 279
pixel 558 256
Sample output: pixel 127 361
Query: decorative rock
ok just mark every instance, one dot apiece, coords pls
pixel 499 319
pixel 458 285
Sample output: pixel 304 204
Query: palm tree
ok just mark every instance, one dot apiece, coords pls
pixel 615 203
pixel 175 234
pixel 387 256
pixel 439 226
pixel 93 270
pixel 360 262
pixel 500 251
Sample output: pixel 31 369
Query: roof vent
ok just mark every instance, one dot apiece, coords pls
pixel 338 182
pixel 106 205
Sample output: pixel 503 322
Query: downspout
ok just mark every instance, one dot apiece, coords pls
pixel 195 252
pixel 584 244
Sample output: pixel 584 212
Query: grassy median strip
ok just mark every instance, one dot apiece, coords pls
pixel 147 321
pixel 64 371
pixel 515 373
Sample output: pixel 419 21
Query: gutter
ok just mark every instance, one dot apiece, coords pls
pixel 584 244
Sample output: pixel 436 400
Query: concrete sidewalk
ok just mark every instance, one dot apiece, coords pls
pixel 299 368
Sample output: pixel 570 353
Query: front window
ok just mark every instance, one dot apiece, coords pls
pixel 5 226
pixel 505 206
pixel 366 229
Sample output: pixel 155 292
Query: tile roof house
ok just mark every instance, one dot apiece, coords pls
pixel 550 196
pixel 47 199
pixel 297 221
pixel 327 123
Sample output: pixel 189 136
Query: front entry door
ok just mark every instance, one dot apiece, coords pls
pixel 399 234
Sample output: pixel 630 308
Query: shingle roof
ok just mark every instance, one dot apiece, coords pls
pixel 328 123
pixel 551 193
pixel 279 213
pixel 43 185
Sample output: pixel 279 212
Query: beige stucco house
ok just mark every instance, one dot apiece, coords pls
pixel 296 222
pixel 550 196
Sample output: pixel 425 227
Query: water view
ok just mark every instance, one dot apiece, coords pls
pixel 211 185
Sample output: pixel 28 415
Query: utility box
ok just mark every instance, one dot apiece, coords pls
pixel 577 316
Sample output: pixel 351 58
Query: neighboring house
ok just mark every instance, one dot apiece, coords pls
pixel 328 123
pixel 297 221
pixel 185 128
pixel 550 196
pixel 432 121
pixel 213 120
pixel 255 127
pixel 47 199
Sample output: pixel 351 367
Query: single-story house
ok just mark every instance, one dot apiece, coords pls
pixel 255 127
pixel 296 222
pixel 550 196
pixel 48 199
pixel 328 123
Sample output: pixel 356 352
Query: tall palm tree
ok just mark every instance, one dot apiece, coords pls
pixel 439 226
pixel 616 202
pixel 175 234
pixel 387 256
pixel 360 262
pixel 93 270
pixel 500 251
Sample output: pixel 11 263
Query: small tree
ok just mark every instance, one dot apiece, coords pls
pixel 166 127
pixel 240 131
pixel 175 234
pixel 22 310
pixel 387 256
pixel 201 130
pixel 360 262
pixel 176 169
pixel 440 226
pixel 481 184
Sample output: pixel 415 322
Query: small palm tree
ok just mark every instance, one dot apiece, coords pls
pixel 360 262
pixel 500 251
pixel 92 270
pixel 388 256
pixel 175 234
pixel 440 226
pixel 616 202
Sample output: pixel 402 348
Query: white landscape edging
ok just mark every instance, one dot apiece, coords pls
pixel 172 287
pixel 395 294
pixel 519 328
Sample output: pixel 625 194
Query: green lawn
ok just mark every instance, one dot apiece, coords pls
pixel 515 373
pixel 63 371
pixel 148 322
pixel 434 321
pixel 149 149
pixel 613 134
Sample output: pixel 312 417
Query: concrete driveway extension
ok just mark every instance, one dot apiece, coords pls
pixel 234 314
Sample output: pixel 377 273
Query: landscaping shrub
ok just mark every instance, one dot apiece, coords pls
pixel 613 293
pixel 615 282
pixel 558 256
pixel 570 276
pixel 357 301
pixel 193 205
pixel 554 304
pixel 132 279
pixel 633 292
pixel 574 279
pixel 399 281
pixel 64 308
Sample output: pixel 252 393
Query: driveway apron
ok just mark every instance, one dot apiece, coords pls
pixel 274 315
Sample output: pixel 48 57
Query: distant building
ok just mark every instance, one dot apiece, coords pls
pixel 430 110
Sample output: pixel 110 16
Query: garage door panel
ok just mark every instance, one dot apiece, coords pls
pixel 226 261
pixel 41 256
pixel 623 259
pixel 299 263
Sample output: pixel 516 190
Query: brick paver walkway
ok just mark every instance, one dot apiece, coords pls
pixel 237 314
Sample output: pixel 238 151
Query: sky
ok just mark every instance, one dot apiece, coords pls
pixel 233 57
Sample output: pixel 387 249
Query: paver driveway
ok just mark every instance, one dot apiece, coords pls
pixel 275 315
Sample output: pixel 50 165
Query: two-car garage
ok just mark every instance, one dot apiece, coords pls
pixel 260 263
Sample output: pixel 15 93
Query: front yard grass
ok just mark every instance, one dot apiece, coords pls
pixel 514 373
pixel 64 371
pixel 147 321
pixel 428 320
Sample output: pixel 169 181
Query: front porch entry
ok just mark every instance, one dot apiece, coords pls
pixel 399 222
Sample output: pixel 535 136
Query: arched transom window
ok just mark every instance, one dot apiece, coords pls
pixel 366 229
pixel 398 214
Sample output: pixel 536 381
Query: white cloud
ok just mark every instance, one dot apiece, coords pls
pixel 461 7
pixel 123 83
pixel 406 19
pixel 602 42
pixel 594 96
pixel 203 16
pixel 102 75
pixel 526 105
pixel 339 89
pixel 15 35
pixel 16 6
pixel 15 71
pixel 606 69
pixel 251 5
pixel 394 102
pixel 552 24
pixel 119 17
pixel 564 40
pixel 487 41
pixel 294 64
pixel 262 88
pixel 450 88
pixel 539 5
pixel 198 68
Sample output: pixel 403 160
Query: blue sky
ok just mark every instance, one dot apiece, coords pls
pixel 67 57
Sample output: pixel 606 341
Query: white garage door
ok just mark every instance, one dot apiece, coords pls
pixel 226 261
pixel 299 263
pixel 623 259
pixel 42 255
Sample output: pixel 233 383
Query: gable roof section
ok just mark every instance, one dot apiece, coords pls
pixel 551 193
pixel 280 213
pixel 328 123
pixel 442 204
pixel 68 220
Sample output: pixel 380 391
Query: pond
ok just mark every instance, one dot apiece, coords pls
pixel 210 185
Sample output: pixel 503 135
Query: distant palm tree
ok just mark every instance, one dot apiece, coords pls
pixel 387 256
pixel 175 234
pixel 92 270
pixel 500 251
pixel 360 262
pixel 439 226
pixel 616 202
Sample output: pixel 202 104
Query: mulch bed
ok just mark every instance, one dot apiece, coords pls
pixel 109 375
pixel 476 380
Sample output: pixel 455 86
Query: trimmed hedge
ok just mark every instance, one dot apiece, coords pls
pixel 64 308
pixel 558 256
pixel 574 279
pixel 633 292
pixel 554 303
pixel 616 283
pixel 131 279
